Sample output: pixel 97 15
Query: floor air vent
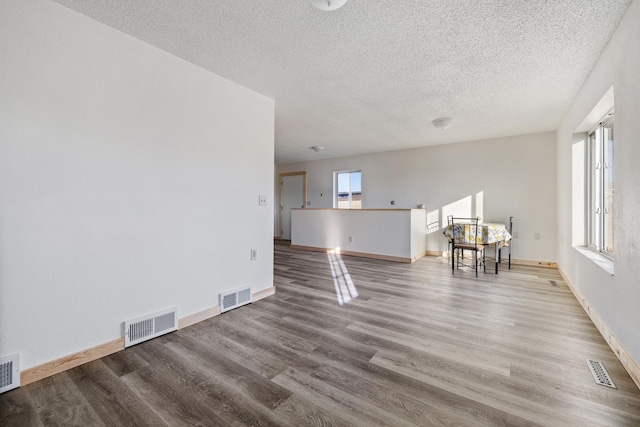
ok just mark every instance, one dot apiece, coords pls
pixel 150 326
pixel 553 283
pixel 600 374
pixel 232 299
pixel 9 372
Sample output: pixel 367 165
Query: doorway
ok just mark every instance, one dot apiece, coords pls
pixel 293 193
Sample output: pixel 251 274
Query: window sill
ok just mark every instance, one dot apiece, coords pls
pixel 600 260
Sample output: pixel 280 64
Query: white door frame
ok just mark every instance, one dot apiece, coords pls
pixel 304 194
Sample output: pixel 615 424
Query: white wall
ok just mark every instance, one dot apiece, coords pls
pixel 616 299
pixel 129 182
pixel 391 232
pixel 495 179
pixel 418 229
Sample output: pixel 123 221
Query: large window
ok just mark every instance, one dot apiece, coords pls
pixel 600 188
pixel 348 190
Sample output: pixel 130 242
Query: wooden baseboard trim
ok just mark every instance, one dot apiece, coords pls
pixel 257 296
pixel 437 253
pixel 210 312
pixel 353 253
pixel 547 264
pixel 198 317
pixel 309 248
pixel 64 363
pixel 48 369
pixel 629 364
pixel 420 255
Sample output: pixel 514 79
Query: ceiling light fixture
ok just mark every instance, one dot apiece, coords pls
pixel 443 122
pixel 328 4
pixel 317 148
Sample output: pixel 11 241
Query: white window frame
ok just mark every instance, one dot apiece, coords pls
pixel 596 212
pixel 336 192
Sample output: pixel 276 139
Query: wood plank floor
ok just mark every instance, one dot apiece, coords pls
pixel 411 344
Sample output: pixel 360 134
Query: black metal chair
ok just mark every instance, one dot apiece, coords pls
pixel 465 234
pixel 507 244
pixel 449 250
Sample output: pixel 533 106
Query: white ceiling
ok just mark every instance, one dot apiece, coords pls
pixel 372 75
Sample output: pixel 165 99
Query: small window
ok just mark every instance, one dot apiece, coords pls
pixel 348 193
pixel 600 187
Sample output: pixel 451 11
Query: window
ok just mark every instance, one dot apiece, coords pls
pixel 348 190
pixel 600 186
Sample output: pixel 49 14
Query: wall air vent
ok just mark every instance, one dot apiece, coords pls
pixel 150 326
pixel 9 372
pixel 235 298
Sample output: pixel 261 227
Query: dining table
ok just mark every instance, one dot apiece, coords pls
pixel 490 233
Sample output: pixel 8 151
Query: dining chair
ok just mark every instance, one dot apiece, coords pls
pixel 507 244
pixel 465 235
pixel 449 250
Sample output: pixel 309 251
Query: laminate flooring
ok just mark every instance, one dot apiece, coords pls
pixel 350 341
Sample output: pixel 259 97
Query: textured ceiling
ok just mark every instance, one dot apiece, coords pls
pixel 372 75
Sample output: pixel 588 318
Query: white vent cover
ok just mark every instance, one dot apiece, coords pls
pixel 9 372
pixel 235 298
pixel 600 374
pixel 150 326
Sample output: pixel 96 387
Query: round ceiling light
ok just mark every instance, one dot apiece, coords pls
pixel 443 122
pixel 328 4
pixel 317 148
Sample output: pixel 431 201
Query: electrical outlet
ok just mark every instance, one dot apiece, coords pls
pixel 536 236
pixel 254 254
pixel 350 239
pixel 262 200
